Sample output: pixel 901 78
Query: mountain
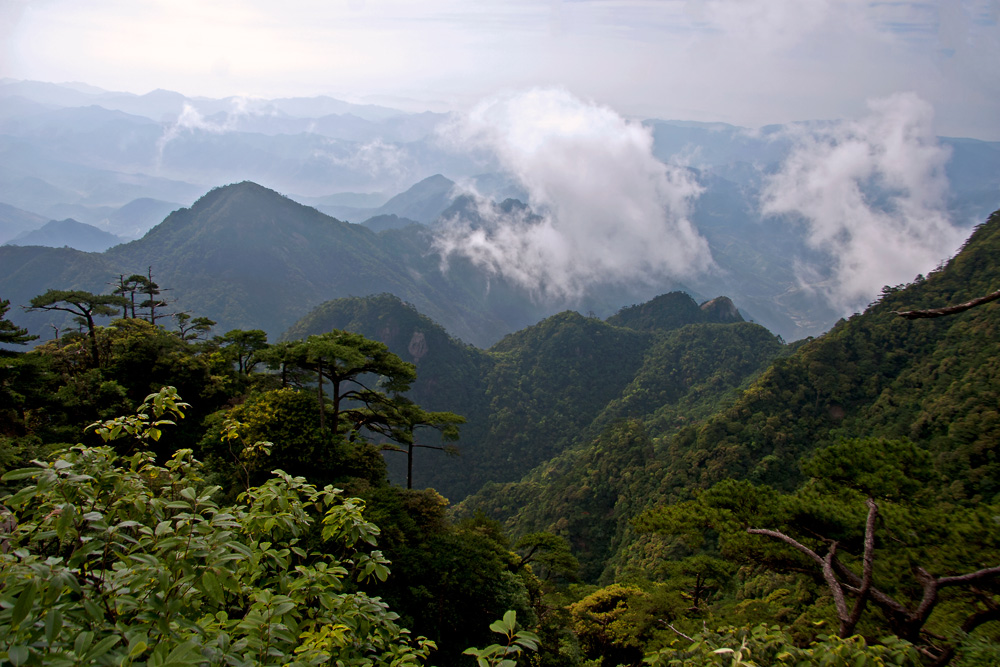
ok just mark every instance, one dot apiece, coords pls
pixel 544 389
pixel 673 310
pixel 14 221
pixel 254 259
pixel 68 233
pixel 138 216
pixel 932 381
pixel 249 257
pixel 423 202
pixel 80 152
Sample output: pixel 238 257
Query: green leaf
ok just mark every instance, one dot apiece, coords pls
pixel 18 655
pixel 83 642
pixel 137 649
pixel 53 625
pixel 24 603
pixel 211 585
pixel 102 647
pixel 20 473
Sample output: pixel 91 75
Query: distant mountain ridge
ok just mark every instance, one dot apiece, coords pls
pixel 14 221
pixel 69 233
pixel 351 160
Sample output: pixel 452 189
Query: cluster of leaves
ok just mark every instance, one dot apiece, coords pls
pixel 770 646
pixel 467 572
pixel 117 560
pixel 506 654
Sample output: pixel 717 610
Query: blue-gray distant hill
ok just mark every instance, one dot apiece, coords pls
pixel 68 233
pixel 251 258
pixel 14 221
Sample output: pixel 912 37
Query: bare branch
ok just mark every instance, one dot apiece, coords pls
pixel 948 310
pixel 787 540
pixel 868 565
pixel 985 573
pixel 670 625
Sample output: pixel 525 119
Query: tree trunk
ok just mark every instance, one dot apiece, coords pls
pixel 322 403
pixel 409 466
pixel 92 333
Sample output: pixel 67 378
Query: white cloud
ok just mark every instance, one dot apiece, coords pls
pixel 190 120
pixel 607 210
pixel 376 158
pixel 872 192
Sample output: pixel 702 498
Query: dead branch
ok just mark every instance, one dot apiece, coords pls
pixel 947 310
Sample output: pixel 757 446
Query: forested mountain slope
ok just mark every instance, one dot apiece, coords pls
pixel 931 380
pixel 589 491
pixel 551 386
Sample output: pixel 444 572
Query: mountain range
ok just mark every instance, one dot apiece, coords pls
pixel 124 163
pixel 577 425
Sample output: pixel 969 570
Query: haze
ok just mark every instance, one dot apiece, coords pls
pixel 747 62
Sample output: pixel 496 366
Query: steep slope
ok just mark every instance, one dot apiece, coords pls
pixel 254 259
pixel 589 491
pixel 931 380
pixel 550 386
pixel 31 270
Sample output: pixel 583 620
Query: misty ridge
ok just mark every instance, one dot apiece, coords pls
pixel 564 201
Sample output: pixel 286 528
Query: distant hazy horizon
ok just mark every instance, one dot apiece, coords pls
pixel 744 62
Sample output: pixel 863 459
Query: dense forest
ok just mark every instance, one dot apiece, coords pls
pixel 671 485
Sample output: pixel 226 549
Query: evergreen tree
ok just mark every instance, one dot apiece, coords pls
pixel 11 334
pixel 84 305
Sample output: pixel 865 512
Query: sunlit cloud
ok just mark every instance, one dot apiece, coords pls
pixel 602 208
pixel 872 194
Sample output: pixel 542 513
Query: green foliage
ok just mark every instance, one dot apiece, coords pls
pixel 84 305
pixel 866 510
pixel 10 334
pixel 243 348
pixel 604 622
pixel 764 646
pixel 505 655
pixel 550 554
pixel 158 410
pixel 189 328
pixel 880 468
pixel 448 580
pixel 287 420
pixel 113 560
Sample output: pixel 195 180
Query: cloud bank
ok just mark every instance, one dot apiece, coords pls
pixel 872 193
pixel 603 209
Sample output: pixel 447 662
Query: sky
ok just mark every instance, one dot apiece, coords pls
pixel 745 62
pixel 553 89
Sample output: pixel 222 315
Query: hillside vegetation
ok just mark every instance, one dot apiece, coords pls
pixel 672 483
